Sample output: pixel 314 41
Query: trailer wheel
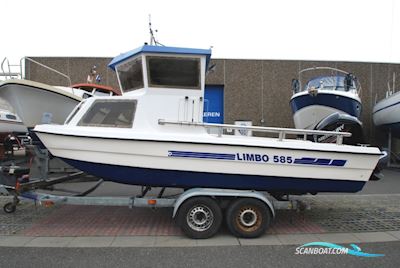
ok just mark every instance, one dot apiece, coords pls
pixel 248 217
pixel 9 207
pixel 199 217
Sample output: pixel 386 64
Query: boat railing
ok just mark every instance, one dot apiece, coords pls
pixel 323 68
pixel 46 67
pixel 281 132
pixel 7 73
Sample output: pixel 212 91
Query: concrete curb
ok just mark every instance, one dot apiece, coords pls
pixel 180 241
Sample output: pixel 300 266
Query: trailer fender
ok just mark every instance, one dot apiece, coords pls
pixel 219 193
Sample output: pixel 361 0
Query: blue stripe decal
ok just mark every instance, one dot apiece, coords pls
pixel 320 161
pixel 220 156
pixel 201 155
pixel 338 163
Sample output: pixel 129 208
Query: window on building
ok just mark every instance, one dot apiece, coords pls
pixel 110 113
pixel 173 72
pixel 130 75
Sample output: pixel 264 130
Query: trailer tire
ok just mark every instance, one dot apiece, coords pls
pixel 248 217
pixel 199 217
pixel 9 207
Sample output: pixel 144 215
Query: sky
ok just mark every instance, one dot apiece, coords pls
pixel 340 30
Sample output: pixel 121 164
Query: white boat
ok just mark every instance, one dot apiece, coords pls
pixel 327 102
pixel 386 113
pixel 10 123
pixel 154 135
pixel 37 103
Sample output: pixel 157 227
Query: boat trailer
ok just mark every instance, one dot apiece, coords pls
pixel 198 211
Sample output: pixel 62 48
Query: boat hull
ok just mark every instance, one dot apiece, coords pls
pixel 35 104
pixel 194 164
pixel 10 124
pixel 309 110
pixel 12 127
pixel 386 114
pixel 189 179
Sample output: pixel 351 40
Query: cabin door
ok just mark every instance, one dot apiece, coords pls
pixel 214 105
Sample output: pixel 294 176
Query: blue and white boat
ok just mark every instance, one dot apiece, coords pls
pixel 154 135
pixel 328 102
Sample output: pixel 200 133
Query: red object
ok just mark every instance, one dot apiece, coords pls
pixel 152 202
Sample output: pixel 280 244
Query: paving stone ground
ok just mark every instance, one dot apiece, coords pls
pixel 328 214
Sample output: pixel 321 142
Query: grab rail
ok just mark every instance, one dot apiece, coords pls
pixel 8 73
pixel 280 131
pixel 46 67
pixel 323 68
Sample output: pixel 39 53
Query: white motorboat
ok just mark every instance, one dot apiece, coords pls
pixel 328 102
pixel 37 103
pixel 154 135
pixel 10 123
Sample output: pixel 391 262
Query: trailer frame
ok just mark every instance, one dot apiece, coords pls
pixel 198 211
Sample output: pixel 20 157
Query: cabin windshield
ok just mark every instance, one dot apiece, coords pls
pixel 110 113
pixel 173 72
pixel 330 83
pixel 130 75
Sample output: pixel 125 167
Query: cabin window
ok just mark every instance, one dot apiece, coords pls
pixel 11 116
pixel 174 72
pixel 101 93
pixel 130 75
pixel 110 113
pixel 340 83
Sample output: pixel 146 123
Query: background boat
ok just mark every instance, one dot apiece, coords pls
pixel 37 103
pixel 10 127
pixel 386 112
pixel 328 102
pixel 10 123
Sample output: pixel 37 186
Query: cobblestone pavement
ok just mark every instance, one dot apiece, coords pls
pixel 328 214
pixel 24 217
pixel 355 213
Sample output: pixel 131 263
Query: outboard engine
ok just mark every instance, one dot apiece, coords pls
pixel 343 123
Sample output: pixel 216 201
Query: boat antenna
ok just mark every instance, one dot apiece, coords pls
pixel 153 40
pixel 394 82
